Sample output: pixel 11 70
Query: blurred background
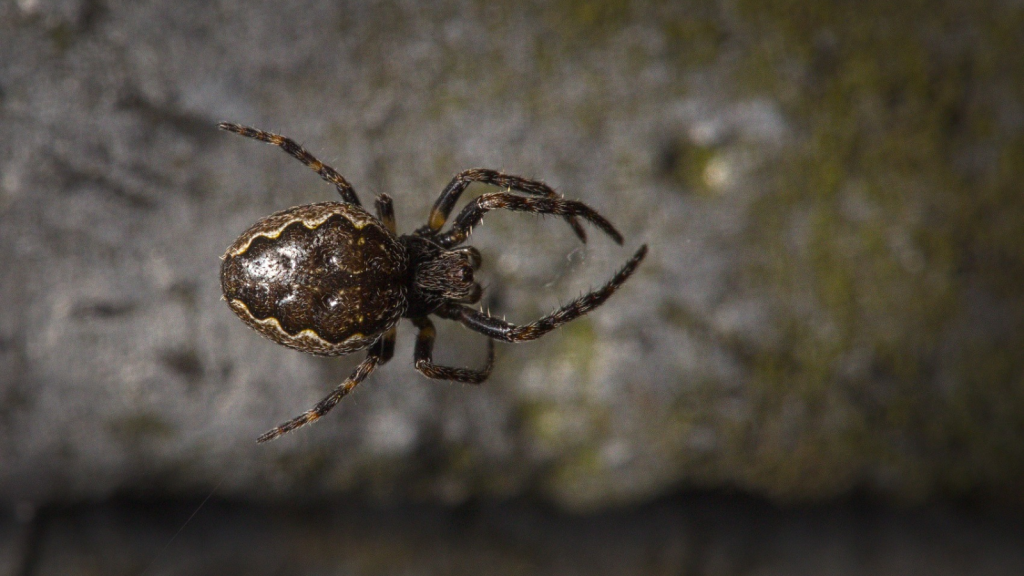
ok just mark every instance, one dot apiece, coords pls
pixel 819 369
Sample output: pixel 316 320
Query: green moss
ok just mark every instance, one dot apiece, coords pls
pixel 540 421
pixel 559 427
pixel 695 40
pixel 587 21
pixel 577 344
pixel 686 165
pixel 63 36
pixel 888 109
pixel 141 426
pixel 582 466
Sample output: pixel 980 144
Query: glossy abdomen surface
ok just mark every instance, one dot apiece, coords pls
pixel 324 278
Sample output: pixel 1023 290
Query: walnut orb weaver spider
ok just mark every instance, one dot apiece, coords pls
pixel 330 278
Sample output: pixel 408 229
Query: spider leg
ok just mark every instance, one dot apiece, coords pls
pixel 507 332
pixel 348 194
pixel 450 195
pixel 425 361
pixel 386 212
pixel 475 294
pixel 474 212
pixel 379 353
pixel 475 259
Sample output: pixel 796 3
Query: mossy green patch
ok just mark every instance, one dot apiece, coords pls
pixel 63 36
pixel 578 345
pixel 898 206
pixel 141 426
pixel 685 165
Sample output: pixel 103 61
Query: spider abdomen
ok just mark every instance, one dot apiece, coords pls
pixel 325 278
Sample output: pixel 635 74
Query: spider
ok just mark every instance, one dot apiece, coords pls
pixel 331 279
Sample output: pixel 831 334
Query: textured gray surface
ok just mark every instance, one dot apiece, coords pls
pixel 826 305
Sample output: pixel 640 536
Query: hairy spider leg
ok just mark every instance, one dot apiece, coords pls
pixel 507 332
pixel 380 352
pixel 475 294
pixel 450 195
pixel 475 259
pixel 348 194
pixel 424 359
pixel 474 212
pixel 386 212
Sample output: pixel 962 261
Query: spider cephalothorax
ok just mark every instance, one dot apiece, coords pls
pixel 330 278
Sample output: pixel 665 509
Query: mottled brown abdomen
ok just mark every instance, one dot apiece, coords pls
pixel 324 278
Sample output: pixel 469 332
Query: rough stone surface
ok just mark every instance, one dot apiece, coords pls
pixel 831 194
